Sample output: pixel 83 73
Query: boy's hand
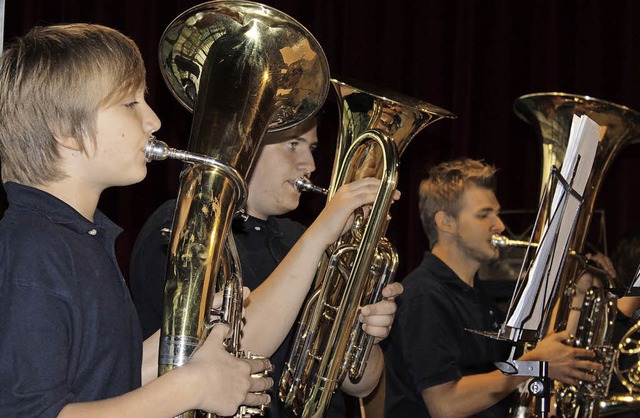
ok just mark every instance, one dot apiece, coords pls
pixel 377 318
pixel 226 382
pixel 337 217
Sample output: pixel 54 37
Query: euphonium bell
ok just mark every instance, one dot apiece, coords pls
pixel 329 344
pixel 242 68
pixel 551 116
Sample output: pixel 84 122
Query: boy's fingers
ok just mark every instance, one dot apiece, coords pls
pixel 260 365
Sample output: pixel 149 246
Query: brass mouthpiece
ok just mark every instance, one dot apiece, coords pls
pixel 303 184
pixel 502 241
pixel 157 151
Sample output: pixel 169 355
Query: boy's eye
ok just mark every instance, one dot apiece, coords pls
pixel 292 144
pixel 131 104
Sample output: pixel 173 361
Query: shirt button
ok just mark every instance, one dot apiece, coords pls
pixel 93 232
pixel 257 228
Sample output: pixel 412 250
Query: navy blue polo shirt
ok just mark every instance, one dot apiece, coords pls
pixel 429 344
pixel 68 329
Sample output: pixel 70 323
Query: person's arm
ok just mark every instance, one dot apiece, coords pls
pixel 213 380
pixel 469 395
pixel 150 352
pixel 272 308
pixel 628 305
pixel 472 394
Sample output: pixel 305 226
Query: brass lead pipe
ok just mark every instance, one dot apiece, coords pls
pixel 502 242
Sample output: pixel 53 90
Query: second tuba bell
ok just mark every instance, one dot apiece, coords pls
pixel 329 344
pixel 590 316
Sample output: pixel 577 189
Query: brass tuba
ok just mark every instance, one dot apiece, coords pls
pixel 551 115
pixel 242 68
pixel 627 369
pixel 329 344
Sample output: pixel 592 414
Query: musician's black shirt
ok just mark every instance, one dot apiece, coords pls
pixel 429 344
pixel 261 246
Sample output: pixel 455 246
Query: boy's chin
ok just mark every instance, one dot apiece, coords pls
pixel 134 179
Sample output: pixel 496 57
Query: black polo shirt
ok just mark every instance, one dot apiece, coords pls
pixel 68 328
pixel 429 344
pixel 261 245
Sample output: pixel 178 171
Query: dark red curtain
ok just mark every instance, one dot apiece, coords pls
pixel 470 57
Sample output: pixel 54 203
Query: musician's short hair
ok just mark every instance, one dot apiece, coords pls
pixel 53 81
pixel 442 190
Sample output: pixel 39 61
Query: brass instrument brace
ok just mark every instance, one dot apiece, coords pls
pixel 157 150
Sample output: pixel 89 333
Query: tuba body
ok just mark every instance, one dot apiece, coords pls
pixel 585 308
pixel 241 68
pixel 329 344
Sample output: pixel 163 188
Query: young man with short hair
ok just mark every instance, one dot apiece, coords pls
pixel 435 367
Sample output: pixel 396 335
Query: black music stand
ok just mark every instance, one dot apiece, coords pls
pixel 539 386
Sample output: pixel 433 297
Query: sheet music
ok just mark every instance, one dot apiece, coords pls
pixel 636 279
pixel 548 259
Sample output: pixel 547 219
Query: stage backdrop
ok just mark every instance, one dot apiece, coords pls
pixel 470 57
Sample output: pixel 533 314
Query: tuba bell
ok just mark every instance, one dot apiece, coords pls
pixel 586 310
pixel 329 344
pixel 241 68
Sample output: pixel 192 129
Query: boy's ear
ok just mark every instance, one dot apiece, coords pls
pixel 63 139
pixel 67 142
pixel 444 221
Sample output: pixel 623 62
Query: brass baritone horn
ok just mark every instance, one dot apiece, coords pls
pixel 551 116
pixel 329 343
pixel 242 68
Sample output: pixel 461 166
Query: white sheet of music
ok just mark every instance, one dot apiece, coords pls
pixel 548 260
pixel 636 279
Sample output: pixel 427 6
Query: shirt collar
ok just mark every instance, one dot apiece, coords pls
pixel 57 211
pixel 443 272
pixel 248 222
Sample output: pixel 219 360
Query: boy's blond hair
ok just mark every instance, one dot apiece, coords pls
pixel 443 189
pixel 53 81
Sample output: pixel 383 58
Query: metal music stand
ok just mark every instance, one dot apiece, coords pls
pixel 1 25
pixel 539 386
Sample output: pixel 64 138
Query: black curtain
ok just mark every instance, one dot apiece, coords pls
pixel 470 57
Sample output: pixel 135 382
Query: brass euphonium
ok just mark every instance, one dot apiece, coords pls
pixel 551 115
pixel 627 369
pixel 329 344
pixel 242 68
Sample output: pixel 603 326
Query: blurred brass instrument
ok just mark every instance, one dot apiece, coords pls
pixel 329 342
pixel 551 115
pixel 627 370
pixel 242 68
